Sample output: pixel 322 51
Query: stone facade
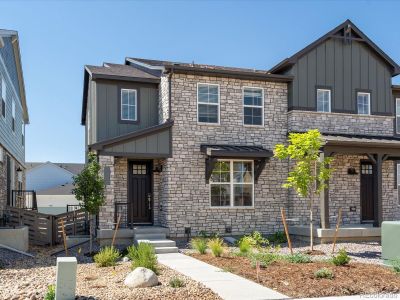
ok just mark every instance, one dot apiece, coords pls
pixel 340 123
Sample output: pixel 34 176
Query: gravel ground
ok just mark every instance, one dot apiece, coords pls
pixel 23 278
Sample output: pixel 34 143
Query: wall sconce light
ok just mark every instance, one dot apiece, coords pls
pixel 158 169
pixel 19 173
pixel 351 171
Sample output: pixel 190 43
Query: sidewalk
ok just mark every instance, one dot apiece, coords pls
pixel 227 285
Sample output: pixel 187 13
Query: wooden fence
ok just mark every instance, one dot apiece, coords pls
pixel 46 229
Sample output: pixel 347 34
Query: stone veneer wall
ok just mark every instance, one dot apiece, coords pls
pixel 163 107
pixel 185 195
pixel 344 192
pixel 340 123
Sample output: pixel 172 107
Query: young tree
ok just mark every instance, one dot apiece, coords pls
pixel 89 190
pixel 309 174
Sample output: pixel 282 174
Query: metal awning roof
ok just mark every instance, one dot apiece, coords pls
pixel 236 151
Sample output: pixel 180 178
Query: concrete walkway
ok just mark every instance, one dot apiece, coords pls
pixel 227 285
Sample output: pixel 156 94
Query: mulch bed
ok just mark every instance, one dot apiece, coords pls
pixel 298 280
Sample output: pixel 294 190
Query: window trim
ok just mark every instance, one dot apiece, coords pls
pixel 328 89
pixel 128 121
pixel 397 115
pixel 231 184
pixel 23 134
pixel 218 105
pixel 13 119
pixel 358 92
pixel 3 86
pixel 256 106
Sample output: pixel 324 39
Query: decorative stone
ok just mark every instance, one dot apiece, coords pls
pixel 141 277
pixel 125 259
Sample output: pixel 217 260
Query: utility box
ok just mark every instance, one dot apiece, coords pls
pixel 390 241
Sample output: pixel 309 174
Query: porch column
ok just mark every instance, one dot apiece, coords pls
pixel 378 212
pixel 324 201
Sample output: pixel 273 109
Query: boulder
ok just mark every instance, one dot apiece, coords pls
pixel 125 259
pixel 141 277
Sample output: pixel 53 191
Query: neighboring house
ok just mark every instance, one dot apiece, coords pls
pixel 52 183
pixel 13 118
pixel 189 146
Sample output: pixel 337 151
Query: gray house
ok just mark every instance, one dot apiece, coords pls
pixel 13 118
pixel 188 147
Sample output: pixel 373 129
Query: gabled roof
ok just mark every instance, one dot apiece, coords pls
pixel 17 53
pixel 73 168
pixel 360 36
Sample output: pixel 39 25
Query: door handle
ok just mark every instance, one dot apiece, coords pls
pixel 149 200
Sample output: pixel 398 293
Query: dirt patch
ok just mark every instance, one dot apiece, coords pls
pixel 298 280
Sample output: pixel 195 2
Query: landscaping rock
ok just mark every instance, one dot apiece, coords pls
pixel 141 277
pixel 125 259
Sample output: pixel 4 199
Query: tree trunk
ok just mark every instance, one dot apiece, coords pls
pixel 91 227
pixel 311 230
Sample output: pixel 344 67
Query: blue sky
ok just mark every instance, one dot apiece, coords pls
pixel 58 38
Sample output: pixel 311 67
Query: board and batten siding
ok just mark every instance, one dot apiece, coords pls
pixel 105 108
pixel 345 68
pixel 10 140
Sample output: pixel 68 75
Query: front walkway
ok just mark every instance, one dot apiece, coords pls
pixel 227 285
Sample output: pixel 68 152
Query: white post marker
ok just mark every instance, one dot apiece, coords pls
pixel 66 278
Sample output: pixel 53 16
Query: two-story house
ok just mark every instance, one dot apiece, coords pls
pixel 189 147
pixel 13 118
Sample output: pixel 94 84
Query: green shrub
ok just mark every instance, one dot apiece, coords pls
pixel 396 265
pixel 298 258
pixel 199 244
pixel 106 257
pixel 264 258
pixel 341 259
pixel 51 292
pixel 245 245
pixel 324 273
pixel 278 237
pixel 216 246
pixel 258 240
pixel 176 282
pixel 143 255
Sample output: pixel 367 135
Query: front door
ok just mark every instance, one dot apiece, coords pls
pixel 139 193
pixel 367 192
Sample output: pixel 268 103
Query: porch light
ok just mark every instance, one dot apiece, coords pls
pixel 19 173
pixel 351 171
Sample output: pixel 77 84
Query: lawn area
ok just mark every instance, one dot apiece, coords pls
pixel 298 279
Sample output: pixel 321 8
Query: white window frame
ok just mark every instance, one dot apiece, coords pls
pixel 128 105
pixel 232 184
pixel 397 115
pixel 23 134
pixel 256 106
pixel 330 99
pixel 217 104
pixel 369 103
pixel 13 115
pixel 4 98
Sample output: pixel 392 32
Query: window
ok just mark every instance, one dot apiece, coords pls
pixel 363 103
pixel 139 169
pixel 23 134
pixel 398 115
pixel 232 184
pixel 128 105
pixel 323 100
pixel 253 106
pixel 3 97
pixel 208 103
pixel 13 116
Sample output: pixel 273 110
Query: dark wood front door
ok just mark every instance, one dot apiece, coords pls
pixel 367 192
pixel 140 201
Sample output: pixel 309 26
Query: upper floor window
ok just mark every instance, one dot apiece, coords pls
pixel 128 105
pixel 253 106
pixel 232 184
pixel 208 103
pixel 323 100
pixel 363 103
pixel 13 115
pixel 3 97
pixel 398 115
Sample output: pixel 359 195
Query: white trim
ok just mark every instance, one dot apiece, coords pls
pixel 330 99
pixel 217 104
pixel 256 106
pixel 369 102
pixel 136 105
pixel 397 115
pixel 232 184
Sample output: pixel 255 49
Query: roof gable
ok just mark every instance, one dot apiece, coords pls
pixel 346 31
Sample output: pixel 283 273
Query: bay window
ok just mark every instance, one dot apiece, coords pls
pixel 232 184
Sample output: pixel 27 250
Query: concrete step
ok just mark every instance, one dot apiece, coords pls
pixel 150 236
pixel 163 250
pixel 150 229
pixel 158 243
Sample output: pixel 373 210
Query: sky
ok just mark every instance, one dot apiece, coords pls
pixel 57 38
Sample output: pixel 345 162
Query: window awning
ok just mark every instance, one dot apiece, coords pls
pixel 259 154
